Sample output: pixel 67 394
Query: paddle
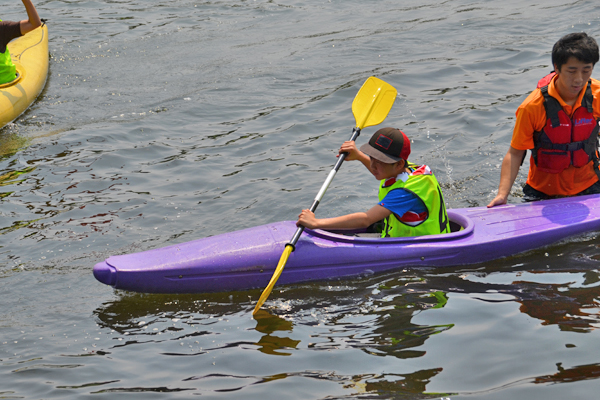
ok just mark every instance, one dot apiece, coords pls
pixel 370 107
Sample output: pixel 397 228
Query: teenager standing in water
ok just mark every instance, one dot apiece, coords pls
pixel 558 122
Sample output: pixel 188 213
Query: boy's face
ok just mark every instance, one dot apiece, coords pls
pixel 572 77
pixel 381 170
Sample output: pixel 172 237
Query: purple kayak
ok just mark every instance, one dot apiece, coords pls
pixel 246 259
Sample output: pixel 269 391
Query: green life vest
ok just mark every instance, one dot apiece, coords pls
pixel 8 71
pixel 425 186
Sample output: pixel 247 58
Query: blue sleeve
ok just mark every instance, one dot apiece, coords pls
pixel 399 201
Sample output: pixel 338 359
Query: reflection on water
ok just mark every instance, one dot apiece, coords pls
pixel 10 178
pixel 379 328
pixel 579 373
pixel 564 291
pixel 574 309
pixel 11 142
pixel 193 325
pixel 390 325
pixel 272 344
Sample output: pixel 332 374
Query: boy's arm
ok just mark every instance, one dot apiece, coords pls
pixel 508 174
pixel 350 221
pixel 34 21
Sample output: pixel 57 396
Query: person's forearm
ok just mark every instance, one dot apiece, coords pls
pixel 506 178
pixel 350 221
pixel 33 20
pixel 508 173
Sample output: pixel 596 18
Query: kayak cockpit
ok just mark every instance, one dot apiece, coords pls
pixel 14 81
pixel 460 226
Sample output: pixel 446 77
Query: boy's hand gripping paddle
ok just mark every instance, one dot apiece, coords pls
pixel 370 107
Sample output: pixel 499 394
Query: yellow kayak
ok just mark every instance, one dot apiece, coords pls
pixel 30 55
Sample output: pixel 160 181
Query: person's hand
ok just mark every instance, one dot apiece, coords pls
pixel 307 219
pixel 497 201
pixel 350 148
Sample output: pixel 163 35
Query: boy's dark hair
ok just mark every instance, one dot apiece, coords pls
pixel 578 45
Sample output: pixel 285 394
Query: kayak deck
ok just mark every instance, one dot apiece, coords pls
pixel 246 259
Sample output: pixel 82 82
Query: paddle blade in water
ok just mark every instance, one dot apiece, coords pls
pixel 373 102
pixel 265 294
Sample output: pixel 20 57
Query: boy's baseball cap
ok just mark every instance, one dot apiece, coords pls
pixel 388 145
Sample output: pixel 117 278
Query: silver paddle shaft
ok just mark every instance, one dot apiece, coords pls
pixel 317 200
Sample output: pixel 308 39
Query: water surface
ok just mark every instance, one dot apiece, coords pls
pixel 165 122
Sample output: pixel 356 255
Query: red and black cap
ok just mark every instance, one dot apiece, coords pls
pixel 388 145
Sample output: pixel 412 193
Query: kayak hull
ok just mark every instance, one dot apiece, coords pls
pixel 246 259
pixel 29 53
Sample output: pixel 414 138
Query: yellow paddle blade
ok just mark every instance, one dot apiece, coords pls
pixel 263 297
pixel 373 102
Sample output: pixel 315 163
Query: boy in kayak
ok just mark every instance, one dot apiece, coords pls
pixel 10 30
pixel 410 198
pixel 558 122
